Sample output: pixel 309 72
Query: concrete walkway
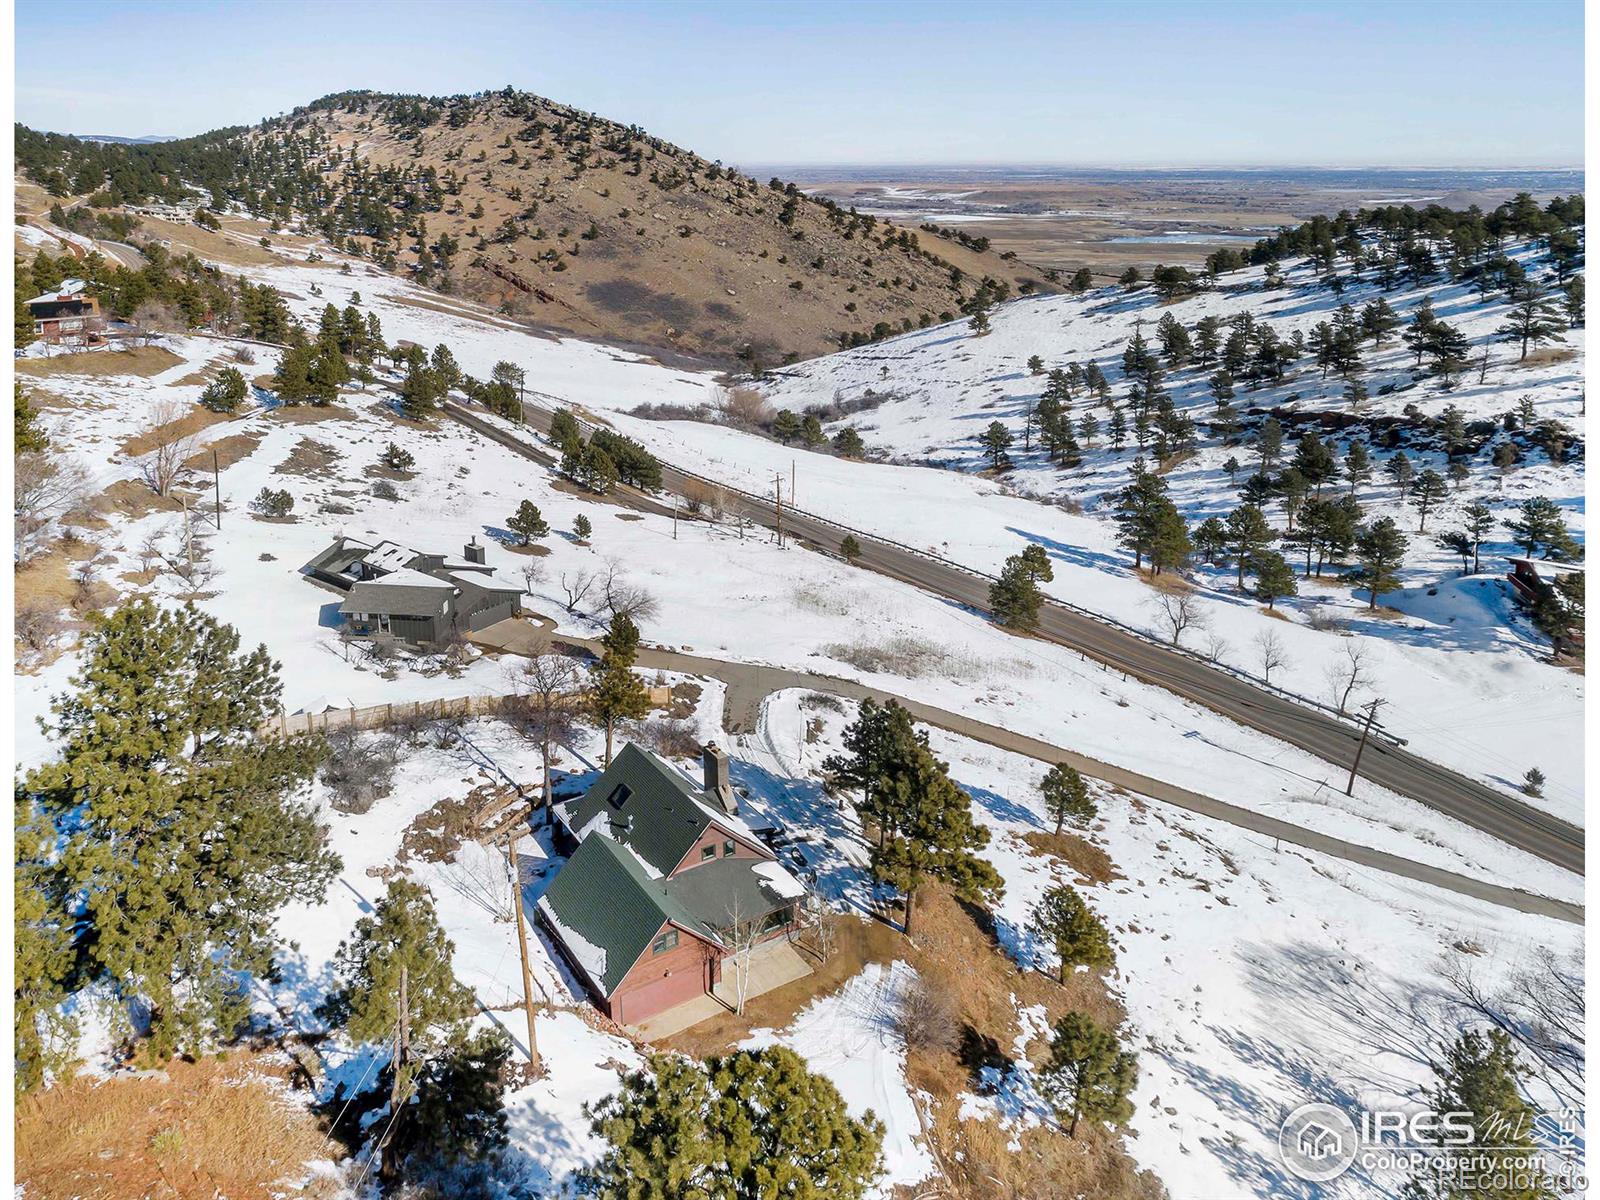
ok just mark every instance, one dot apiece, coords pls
pixel 749 684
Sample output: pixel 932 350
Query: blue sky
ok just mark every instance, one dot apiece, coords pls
pixel 1402 82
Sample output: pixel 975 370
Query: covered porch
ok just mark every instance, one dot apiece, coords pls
pixel 772 964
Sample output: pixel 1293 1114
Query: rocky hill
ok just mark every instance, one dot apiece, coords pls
pixel 574 221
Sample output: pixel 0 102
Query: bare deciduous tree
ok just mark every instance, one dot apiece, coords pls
pixel 170 445
pixel 710 498
pixel 577 587
pixel 744 408
pixel 1348 674
pixel 742 934
pixel 547 688
pixel 43 490
pixel 619 597
pixel 1270 653
pixel 532 573
pixel 1178 612
pixel 1541 1008
pixel 37 626
pixel 1217 647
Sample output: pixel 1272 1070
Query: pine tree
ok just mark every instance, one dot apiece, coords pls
pixel 1088 1075
pixel 180 838
pixel 565 434
pixel 1248 535
pixel 1066 797
pixel 397 458
pixel 1357 465
pixel 1211 539
pixel 1138 511
pixel 1428 490
pixel 1533 782
pixel 1275 578
pixel 616 693
pixel 1380 549
pixel 1063 921
pixel 1479 1076
pixel 1170 545
pixel 28 436
pixel 880 739
pixel 1014 597
pixel 1573 302
pixel 931 832
pixel 528 523
pixel 459 1114
pixel 1533 319
pixel 996 440
pixel 850 548
pixel 1269 442
pixel 847 443
pixel 581 528
pixel 43 954
pixel 397 987
pixel 1399 469
pixel 753 1123
pixel 1541 527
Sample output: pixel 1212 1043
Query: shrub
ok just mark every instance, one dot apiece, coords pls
pixel 397 458
pixel 226 392
pixel 359 770
pixel 384 490
pixel 930 1018
pixel 271 503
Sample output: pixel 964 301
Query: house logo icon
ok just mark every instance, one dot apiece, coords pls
pixel 1318 1142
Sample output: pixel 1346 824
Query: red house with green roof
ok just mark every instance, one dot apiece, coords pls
pixel 664 878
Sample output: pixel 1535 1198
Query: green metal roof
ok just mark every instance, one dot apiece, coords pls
pixel 605 897
pixel 659 814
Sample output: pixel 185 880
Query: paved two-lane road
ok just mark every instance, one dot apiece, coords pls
pixel 1327 736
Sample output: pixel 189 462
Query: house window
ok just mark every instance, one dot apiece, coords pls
pixel 619 795
pixel 708 852
pixel 665 942
pixel 727 848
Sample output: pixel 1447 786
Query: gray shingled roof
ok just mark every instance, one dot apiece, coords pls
pixel 718 891
pixel 605 897
pixel 398 599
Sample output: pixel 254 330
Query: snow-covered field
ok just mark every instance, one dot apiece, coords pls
pixel 1255 979
pixel 1284 974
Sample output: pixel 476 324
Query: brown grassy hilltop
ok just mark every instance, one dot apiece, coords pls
pixel 598 228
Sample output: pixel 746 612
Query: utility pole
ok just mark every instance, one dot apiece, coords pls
pixel 216 485
pixel 777 481
pixel 791 483
pixel 1372 711
pixel 388 1168
pixel 522 946
pixel 674 516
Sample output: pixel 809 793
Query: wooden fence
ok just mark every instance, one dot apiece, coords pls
pixel 379 716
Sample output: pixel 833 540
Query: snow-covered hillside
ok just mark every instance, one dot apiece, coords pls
pixel 1461 669
pixel 1250 973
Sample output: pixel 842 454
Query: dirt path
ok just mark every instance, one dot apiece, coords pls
pixel 749 685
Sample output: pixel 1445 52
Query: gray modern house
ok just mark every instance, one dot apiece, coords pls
pixel 424 600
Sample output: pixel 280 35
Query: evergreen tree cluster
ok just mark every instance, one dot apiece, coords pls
pixel 923 819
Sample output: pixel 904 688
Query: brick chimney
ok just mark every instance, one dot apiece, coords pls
pixel 475 552
pixel 718 784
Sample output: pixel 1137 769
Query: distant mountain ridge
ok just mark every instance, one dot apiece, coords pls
pixel 573 220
